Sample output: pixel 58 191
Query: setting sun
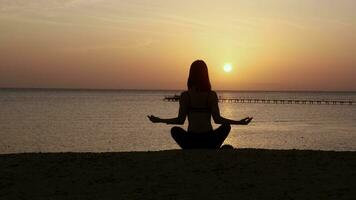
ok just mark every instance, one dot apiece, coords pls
pixel 227 67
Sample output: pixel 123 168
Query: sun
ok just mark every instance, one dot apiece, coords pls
pixel 227 67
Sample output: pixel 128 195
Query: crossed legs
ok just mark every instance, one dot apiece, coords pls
pixel 210 140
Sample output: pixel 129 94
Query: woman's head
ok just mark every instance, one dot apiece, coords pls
pixel 199 77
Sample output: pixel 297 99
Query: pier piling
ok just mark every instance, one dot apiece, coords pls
pixel 175 98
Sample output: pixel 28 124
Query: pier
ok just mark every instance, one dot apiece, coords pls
pixel 274 101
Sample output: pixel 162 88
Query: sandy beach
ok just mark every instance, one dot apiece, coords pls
pixel 177 174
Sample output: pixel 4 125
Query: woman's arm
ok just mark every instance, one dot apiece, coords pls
pixel 218 119
pixel 182 113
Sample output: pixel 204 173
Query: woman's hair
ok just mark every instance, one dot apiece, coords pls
pixel 199 77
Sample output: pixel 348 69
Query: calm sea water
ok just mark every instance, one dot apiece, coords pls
pixel 100 121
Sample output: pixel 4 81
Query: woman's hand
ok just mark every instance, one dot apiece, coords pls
pixel 154 119
pixel 245 121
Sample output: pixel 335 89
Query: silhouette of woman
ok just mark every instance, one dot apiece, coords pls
pixel 199 103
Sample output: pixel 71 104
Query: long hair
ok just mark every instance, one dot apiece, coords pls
pixel 199 77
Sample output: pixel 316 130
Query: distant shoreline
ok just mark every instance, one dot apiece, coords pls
pixel 169 90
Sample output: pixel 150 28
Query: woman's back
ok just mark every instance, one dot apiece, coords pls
pixel 198 106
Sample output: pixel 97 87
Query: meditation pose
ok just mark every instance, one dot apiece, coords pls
pixel 199 103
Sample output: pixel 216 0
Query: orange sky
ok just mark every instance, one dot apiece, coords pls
pixel 146 44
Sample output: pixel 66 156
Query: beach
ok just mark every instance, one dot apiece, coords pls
pixel 178 174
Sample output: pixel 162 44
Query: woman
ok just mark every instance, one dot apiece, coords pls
pixel 199 103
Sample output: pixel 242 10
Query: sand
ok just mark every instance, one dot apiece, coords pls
pixel 177 174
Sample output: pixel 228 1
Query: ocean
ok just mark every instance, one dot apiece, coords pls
pixel 46 120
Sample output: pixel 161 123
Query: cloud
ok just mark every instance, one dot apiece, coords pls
pixel 40 5
pixel 43 11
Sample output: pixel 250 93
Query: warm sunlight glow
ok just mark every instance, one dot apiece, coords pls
pixel 227 67
pixel 137 44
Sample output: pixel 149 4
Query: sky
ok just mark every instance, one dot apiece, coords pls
pixel 150 44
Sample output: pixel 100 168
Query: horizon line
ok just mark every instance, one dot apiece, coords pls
pixel 137 89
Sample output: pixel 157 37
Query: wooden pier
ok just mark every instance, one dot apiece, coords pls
pixel 275 101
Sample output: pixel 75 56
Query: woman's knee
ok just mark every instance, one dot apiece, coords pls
pixel 180 136
pixel 225 128
pixel 175 131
